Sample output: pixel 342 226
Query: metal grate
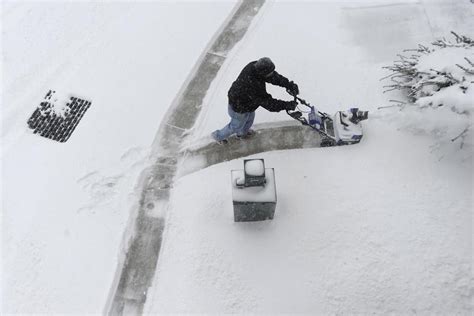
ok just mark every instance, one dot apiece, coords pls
pixel 57 121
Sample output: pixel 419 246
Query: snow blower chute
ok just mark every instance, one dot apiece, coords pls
pixel 343 128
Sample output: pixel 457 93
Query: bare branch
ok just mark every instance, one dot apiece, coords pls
pixel 399 104
pixel 391 89
pixel 388 106
pixel 458 38
pixel 470 62
pixel 445 74
pixel 469 71
pixel 463 39
pixel 390 75
pixel 461 135
pixel 397 101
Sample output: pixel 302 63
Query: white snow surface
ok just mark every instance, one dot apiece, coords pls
pixel 254 167
pixel 334 51
pixel 66 206
pixel 381 227
pixel 389 234
pixel 457 100
pixel 265 193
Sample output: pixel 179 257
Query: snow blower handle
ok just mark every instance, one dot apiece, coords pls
pixel 302 101
pixel 298 98
pixel 324 115
pixel 294 113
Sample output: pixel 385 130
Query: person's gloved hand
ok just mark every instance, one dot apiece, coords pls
pixel 291 105
pixel 293 89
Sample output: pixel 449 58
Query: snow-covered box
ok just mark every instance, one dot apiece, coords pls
pixel 253 192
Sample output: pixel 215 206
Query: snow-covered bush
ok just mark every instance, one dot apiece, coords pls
pixel 439 80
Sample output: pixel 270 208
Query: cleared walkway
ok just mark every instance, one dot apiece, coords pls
pixel 268 137
pixel 135 272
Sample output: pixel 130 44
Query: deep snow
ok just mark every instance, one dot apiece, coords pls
pixel 66 206
pixel 351 234
pixel 381 227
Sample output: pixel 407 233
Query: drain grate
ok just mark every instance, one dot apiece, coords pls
pixel 56 117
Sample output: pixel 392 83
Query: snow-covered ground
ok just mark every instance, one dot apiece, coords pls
pixel 351 235
pixel 334 50
pixel 65 206
pixel 381 227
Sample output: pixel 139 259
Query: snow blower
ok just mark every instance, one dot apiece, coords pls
pixel 343 128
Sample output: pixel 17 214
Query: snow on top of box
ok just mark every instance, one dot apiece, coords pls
pixel 266 193
pixel 254 167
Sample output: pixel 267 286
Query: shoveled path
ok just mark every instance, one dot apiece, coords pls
pixel 268 137
pixel 136 271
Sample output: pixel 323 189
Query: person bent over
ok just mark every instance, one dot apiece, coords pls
pixel 248 92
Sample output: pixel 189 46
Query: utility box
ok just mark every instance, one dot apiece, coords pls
pixel 253 192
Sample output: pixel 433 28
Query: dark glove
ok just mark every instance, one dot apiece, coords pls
pixel 293 89
pixel 291 105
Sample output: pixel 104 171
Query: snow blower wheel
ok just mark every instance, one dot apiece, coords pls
pixel 327 142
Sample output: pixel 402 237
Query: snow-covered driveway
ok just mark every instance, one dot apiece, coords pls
pixel 380 227
pixel 65 206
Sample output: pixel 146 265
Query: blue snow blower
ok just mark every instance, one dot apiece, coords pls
pixel 343 128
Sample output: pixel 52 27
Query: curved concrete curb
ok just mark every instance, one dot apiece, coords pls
pixel 185 109
pixel 269 137
pixel 136 271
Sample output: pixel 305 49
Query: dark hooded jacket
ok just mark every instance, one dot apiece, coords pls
pixel 248 92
